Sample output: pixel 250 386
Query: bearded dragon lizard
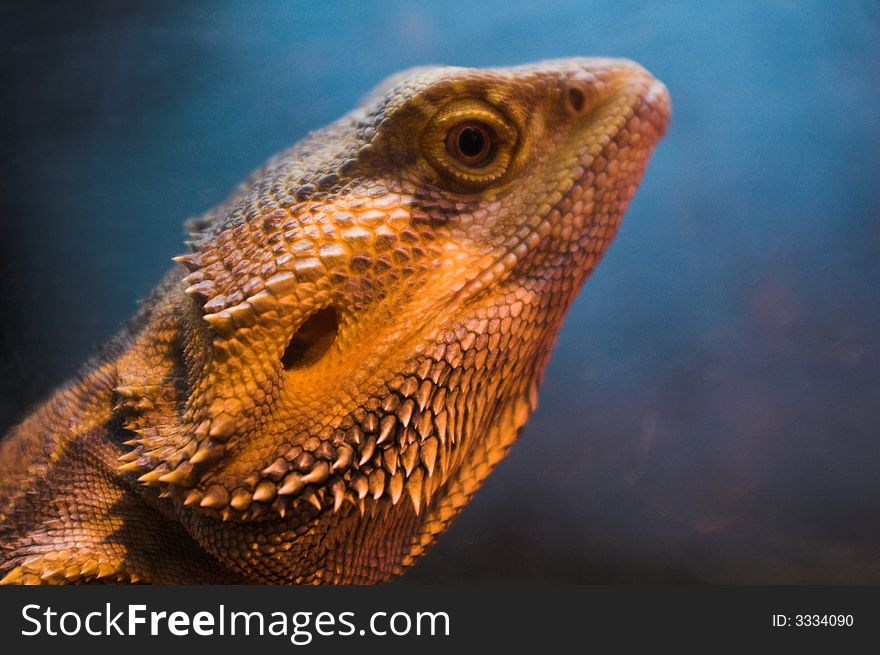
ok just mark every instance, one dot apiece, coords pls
pixel 352 344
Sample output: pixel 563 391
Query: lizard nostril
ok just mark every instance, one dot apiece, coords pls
pixel 312 340
pixel 576 100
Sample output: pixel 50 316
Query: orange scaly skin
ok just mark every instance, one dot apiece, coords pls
pixel 352 345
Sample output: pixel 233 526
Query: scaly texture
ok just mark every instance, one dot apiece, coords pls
pixel 351 346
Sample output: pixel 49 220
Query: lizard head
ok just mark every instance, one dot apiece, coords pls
pixel 367 318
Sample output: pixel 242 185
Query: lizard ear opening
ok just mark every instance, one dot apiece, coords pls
pixel 312 340
pixel 576 100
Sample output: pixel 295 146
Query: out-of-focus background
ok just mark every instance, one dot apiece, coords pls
pixel 712 411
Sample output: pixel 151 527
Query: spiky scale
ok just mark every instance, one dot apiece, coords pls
pixel 201 290
pixel 193 498
pixel 377 483
pixel 440 426
pixel 89 568
pixel 265 491
pixel 131 467
pixel 409 387
pixel 360 485
pixel 405 412
pixel 344 457
pixel 423 396
pixel 129 392
pixel 389 460
pixel 183 476
pixel 208 452
pixel 305 462
pixel 386 429
pixel 367 450
pixel 338 489
pixel 55 571
pixel 282 283
pixel 409 457
pixel 428 454
pixel 312 498
pixel 371 422
pixel 326 451
pixel 414 485
pixel 391 403
pixel 319 473
pixel 241 499
pixel 425 426
pixel 222 427
pixel 428 487
pixel 105 571
pixel 277 469
pixel 221 323
pixel 129 456
pixel 292 484
pixel 215 498
pixel 189 260
pixel 395 487
pixel 151 478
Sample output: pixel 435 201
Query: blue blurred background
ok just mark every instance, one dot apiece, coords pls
pixel 712 412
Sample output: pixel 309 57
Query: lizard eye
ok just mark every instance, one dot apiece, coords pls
pixel 470 144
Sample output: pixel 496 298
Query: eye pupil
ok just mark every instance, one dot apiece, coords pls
pixel 471 144
pixel 471 141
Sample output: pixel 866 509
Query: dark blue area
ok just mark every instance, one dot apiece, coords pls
pixel 712 412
